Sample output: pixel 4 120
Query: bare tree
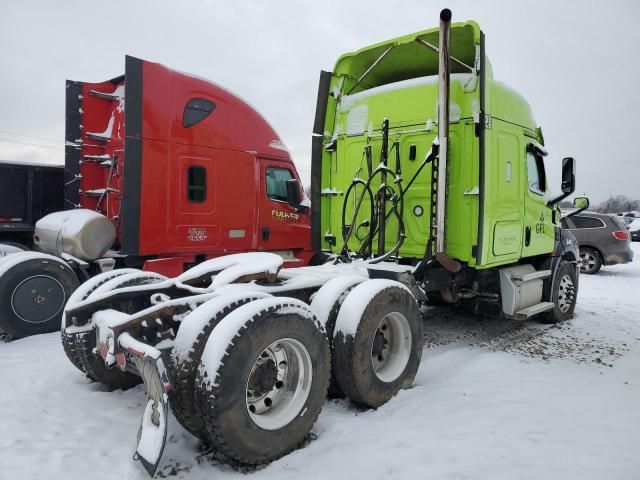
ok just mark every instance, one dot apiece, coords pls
pixel 617 204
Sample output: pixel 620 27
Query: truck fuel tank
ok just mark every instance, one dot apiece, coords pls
pixel 83 233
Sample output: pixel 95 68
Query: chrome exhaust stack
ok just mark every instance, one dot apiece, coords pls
pixel 444 72
pixel 443 125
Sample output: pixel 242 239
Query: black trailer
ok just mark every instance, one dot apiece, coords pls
pixel 28 192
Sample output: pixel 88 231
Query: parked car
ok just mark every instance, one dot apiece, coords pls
pixel 626 217
pixel 634 230
pixel 603 240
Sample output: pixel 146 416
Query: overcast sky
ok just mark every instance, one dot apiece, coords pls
pixel 576 62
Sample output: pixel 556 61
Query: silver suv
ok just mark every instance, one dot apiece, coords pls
pixel 603 240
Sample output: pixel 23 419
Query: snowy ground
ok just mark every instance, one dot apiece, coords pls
pixel 493 400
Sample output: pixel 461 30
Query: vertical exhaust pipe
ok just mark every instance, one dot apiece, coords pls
pixel 443 139
pixel 443 126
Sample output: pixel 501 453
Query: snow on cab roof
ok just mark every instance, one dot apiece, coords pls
pixel 31 164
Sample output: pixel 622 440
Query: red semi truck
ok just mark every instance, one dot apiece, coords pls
pixel 164 170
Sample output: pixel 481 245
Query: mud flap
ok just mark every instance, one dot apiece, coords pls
pixel 448 263
pixel 152 433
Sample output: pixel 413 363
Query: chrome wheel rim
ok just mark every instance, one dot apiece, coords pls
pixel 391 347
pixel 279 384
pixel 566 293
pixel 588 262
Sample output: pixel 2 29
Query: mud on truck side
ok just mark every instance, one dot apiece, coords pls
pixel 428 184
pixel 163 171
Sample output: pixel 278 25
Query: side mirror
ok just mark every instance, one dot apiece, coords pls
pixel 293 193
pixel 568 176
pixel 581 202
pixel 568 180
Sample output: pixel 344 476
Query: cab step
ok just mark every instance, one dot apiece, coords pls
pixel 98 192
pixel 527 277
pixel 101 137
pixel 104 95
pixel 534 310
pixel 97 158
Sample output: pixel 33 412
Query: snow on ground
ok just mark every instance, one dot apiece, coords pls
pixel 493 400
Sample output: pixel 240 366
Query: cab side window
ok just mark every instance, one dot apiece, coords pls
pixel 276 182
pixel 535 173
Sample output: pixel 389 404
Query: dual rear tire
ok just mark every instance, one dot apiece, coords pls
pixel 260 374
pixel 80 347
pixel 253 376
pixel 377 343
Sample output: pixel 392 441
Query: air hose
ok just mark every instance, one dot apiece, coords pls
pixel 386 192
pixel 396 198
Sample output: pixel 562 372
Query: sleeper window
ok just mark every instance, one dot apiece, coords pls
pixel 196 110
pixel 197 184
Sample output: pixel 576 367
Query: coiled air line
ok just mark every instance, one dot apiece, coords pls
pixel 378 212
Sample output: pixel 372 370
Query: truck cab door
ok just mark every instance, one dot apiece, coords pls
pixel 197 200
pixel 538 217
pixel 506 192
pixel 281 227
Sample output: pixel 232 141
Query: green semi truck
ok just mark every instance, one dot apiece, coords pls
pixel 428 185
pixel 462 201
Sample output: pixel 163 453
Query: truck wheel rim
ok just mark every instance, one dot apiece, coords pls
pixel 391 347
pixel 279 384
pixel 588 262
pixel 38 299
pixel 566 293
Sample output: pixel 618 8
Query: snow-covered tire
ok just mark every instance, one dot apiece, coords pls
pixel 590 260
pixel 189 344
pixel 87 288
pixel 85 343
pixel 33 290
pixel 81 293
pixel 565 293
pixel 263 380
pixel 9 248
pixel 377 344
pixel 71 350
pixel 326 304
pixel 95 368
pixel 131 279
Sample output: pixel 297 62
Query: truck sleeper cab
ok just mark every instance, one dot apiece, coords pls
pixel 181 166
pixel 499 209
pixel 163 170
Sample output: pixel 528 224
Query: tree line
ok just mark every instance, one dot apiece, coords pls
pixel 617 204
